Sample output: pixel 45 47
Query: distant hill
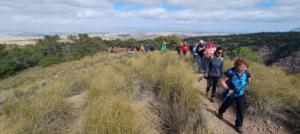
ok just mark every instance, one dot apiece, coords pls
pixel 296 29
pixel 150 35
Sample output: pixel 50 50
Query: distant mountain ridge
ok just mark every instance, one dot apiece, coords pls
pixel 296 29
pixel 23 38
pixel 117 35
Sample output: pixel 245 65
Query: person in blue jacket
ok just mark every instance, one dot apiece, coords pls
pixel 235 81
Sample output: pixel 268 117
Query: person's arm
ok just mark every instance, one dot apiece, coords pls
pixel 222 68
pixel 223 80
pixel 248 76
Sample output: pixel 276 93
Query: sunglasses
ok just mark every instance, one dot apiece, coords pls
pixel 219 52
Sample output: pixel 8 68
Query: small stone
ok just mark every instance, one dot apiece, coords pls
pixel 268 122
pixel 44 82
pixel 269 129
pixel 280 127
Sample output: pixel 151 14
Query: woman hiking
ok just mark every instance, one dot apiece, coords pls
pixel 164 48
pixel 237 79
pixel 185 48
pixel 215 71
pixel 208 52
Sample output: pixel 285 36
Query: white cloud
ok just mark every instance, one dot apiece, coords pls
pixel 76 15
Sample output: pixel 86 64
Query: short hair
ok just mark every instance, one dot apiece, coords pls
pixel 219 48
pixel 239 62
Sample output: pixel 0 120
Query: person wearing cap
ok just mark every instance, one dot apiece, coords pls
pixel 164 48
pixel 208 52
pixel 201 46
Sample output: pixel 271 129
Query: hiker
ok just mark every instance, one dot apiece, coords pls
pixel 137 48
pixel 151 48
pixel 178 50
pixel 215 71
pixel 185 48
pixel 164 48
pixel 147 48
pixel 238 78
pixel 208 52
pixel 193 51
pixel 200 57
pixel 142 48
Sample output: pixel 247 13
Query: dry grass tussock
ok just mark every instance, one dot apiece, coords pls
pixel 35 101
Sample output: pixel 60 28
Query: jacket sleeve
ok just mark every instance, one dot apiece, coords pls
pixel 222 68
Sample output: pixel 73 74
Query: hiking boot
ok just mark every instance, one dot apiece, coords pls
pixel 220 116
pixel 212 99
pixel 239 129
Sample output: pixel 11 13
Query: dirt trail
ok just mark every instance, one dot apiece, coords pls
pixel 77 102
pixel 252 125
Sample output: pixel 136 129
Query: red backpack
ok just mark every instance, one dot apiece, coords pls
pixel 185 48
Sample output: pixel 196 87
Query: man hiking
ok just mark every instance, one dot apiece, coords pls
pixel 200 57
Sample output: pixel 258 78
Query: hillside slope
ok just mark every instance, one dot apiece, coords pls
pixel 122 93
pixel 103 94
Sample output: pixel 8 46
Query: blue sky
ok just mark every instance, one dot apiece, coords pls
pixel 265 4
pixel 65 16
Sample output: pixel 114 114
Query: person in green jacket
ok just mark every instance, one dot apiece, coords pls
pixel 164 47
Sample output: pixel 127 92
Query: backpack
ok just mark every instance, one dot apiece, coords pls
pixel 185 48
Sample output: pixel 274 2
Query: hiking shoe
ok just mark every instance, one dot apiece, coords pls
pixel 220 116
pixel 239 129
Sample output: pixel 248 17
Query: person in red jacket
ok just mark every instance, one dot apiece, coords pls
pixel 185 48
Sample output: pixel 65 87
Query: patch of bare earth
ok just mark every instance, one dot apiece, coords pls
pixel 77 103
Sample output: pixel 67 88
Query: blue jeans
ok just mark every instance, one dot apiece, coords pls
pixel 200 61
pixel 205 62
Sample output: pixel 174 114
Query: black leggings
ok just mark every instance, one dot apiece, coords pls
pixel 240 108
pixel 212 82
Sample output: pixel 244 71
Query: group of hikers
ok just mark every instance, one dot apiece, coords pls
pixel 141 48
pixel 209 59
pixel 234 80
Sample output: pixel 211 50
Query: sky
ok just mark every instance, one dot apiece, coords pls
pixel 224 16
